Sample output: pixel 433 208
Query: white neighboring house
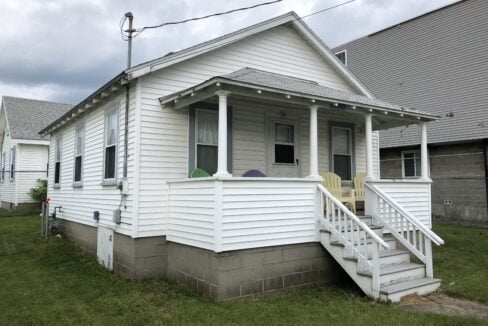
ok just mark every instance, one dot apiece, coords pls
pixel 24 153
pixel 270 97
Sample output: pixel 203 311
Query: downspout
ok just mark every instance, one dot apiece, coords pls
pixel 485 161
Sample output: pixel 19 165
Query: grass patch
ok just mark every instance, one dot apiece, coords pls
pixel 52 283
pixel 20 211
pixel 462 262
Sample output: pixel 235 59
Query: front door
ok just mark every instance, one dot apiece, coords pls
pixel 284 158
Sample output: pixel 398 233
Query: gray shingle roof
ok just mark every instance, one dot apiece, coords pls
pixel 296 85
pixel 26 117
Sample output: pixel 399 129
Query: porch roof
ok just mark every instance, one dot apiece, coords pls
pixel 271 86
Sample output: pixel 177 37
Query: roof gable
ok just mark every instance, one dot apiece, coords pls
pixel 26 117
pixel 291 19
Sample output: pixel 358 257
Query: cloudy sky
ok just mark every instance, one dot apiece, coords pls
pixel 62 50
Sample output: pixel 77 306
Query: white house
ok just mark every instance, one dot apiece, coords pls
pixel 272 98
pixel 24 153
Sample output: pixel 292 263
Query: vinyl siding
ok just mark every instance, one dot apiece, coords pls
pixel 8 188
pixel 164 133
pixel 32 165
pixel 80 203
pixel 437 63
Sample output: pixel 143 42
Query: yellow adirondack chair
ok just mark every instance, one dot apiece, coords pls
pixel 359 186
pixel 332 182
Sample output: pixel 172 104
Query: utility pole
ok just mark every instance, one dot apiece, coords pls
pixel 129 38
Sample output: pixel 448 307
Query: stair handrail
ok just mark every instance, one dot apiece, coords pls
pixel 421 226
pixel 352 216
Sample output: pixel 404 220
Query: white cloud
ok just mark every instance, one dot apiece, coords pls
pixel 63 50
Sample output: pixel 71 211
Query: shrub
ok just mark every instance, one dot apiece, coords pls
pixel 40 192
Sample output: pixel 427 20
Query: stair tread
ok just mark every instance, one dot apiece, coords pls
pixel 383 253
pixel 395 268
pixel 372 227
pixel 337 243
pixel 407 285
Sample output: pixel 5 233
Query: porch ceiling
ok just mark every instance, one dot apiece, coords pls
pixel 303 93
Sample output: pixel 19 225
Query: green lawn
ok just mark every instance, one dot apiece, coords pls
pixel 52 283
pixel 462 262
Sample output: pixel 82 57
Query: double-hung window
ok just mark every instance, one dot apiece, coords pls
pixel 342 55
pixel 79 149
pixel 12 163
pixel 110 145
pixel 342 152
pixel 4 165
pixel 411 164
pixel 207 136
pixel 57 161
pixel 284 143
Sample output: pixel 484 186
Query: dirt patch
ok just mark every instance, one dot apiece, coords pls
pixel 445 305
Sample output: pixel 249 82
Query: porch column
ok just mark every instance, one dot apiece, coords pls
pixel 424 156
pixel 369 146
pixel 314 157
pixel 222 149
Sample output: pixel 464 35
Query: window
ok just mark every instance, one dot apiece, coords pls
pixel 342 150
pixel 57 161
pixel 284 143
pixel 4 165
pixel 207 135
pixel 411 164
pixel 342 56
pixel 110 147
pixel 12 163
pixel 79 148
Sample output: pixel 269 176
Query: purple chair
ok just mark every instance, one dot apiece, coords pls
pixel 254 174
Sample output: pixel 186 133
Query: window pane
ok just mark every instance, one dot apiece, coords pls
pixel 284 154
pixel 341 140
pixel 417 166
pixel 409 167
pixel 78 162
pixel 342 166
pixel 79 141
pixel 208 127
pixel 408 155
pixel 57 172
pixel 284 133
pixel 111 132
pixel 207 158
pixel 110 162
pixel 58 150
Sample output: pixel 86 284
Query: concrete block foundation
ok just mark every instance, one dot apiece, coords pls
pixel 221 276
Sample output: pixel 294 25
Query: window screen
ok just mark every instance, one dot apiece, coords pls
pixel 111 124
pixel 342 152
pixel 284 143
pixel 207 135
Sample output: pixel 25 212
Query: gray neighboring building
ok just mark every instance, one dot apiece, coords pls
pixel 436 62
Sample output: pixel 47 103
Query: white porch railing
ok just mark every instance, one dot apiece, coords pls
pixel 352 233
pixel 406 228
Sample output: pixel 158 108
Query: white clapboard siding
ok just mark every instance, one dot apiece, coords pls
pixel 31 166
pixel 164 133
pixel 376 154
pixel 413 196
pixel 267 213
pixel 80 203
pixel 8 188
pixel 191 213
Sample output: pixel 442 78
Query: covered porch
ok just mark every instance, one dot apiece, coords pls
pixel 302 130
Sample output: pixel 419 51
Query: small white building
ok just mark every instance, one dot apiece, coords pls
pixel 271 98
pixel 24 153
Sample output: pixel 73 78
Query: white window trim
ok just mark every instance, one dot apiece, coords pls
pixel 345 56
pixel 351 148
pixel 273 142
pixel 78 184
pixel 59 143
pixel 417 171
pixel 3 167
pixel 111 181
pixel 197 110
pixel 12 162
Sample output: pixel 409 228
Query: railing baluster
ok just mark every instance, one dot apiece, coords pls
pixel 414 234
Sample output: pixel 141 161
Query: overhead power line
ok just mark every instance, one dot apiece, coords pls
pixel 138 31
